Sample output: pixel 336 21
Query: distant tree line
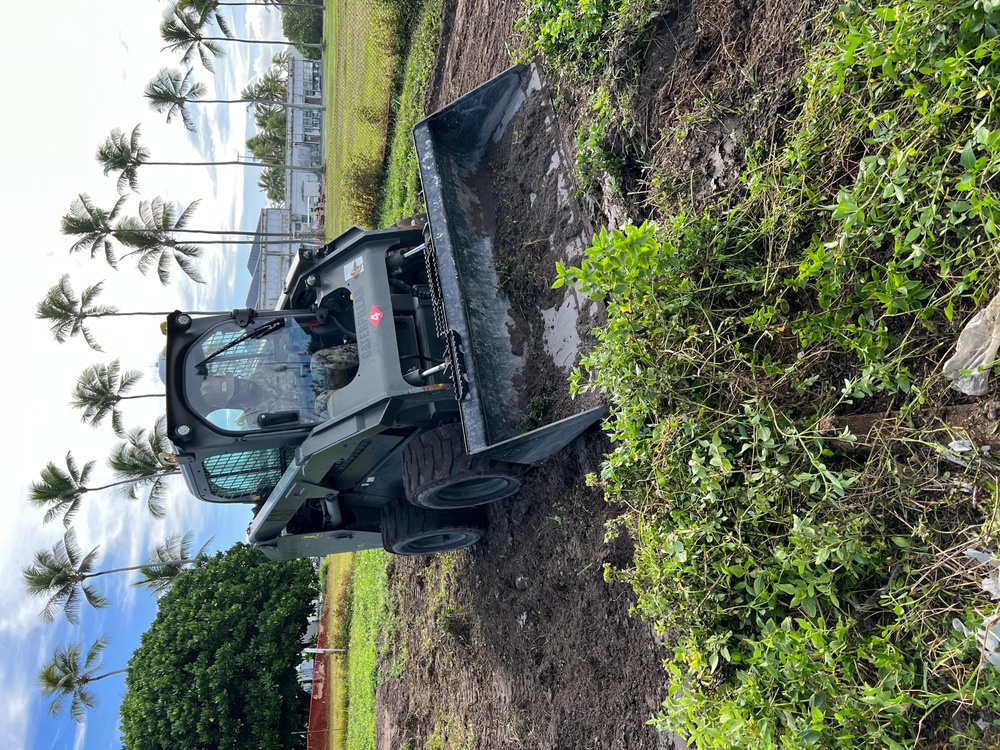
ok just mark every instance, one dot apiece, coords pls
pixel 304 26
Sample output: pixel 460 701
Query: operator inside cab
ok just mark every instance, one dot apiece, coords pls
pixel 276 373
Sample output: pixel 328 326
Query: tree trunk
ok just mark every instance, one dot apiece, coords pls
pixel 161 314
pixel 280 5
pixel 161 564
pixel 287 105
pixel 238 162
pixel 234 241
pixel 231 163
pixel 219 232
pixel 102 676
pixel 260 41
pixel 121 482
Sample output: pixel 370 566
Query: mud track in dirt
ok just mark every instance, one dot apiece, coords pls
pixel 520 642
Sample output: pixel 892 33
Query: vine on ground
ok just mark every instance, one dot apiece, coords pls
pixel 808 585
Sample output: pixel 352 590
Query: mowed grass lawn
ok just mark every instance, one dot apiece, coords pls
pixel 358 72
pixel 356 590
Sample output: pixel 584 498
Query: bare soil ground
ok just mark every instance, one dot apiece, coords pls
pixel 520 642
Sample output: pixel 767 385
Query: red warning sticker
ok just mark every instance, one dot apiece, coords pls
pixel 375 316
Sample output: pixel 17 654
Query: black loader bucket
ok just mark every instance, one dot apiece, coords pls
pixel 460 150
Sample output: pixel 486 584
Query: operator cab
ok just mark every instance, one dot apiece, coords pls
pixel 278 371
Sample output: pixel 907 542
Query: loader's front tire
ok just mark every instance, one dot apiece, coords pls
pixel 409 530
pixel 439 474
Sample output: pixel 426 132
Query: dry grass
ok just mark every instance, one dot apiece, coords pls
pixel 339 570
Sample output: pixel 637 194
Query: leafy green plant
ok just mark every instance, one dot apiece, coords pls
pixel 807 581
pixel 594 157
pixel 798 616
pixel 574 35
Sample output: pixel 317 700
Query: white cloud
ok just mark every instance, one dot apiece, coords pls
pixel 265 23
pixel 80 738
pixel 14 708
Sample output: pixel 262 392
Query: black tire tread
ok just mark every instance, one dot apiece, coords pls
pixel 402 520
pixel 440 453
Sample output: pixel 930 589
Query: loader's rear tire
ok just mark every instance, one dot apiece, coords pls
pixel 409 530
pixel 417 221
pixel 439 474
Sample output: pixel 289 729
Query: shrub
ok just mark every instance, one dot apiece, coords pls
pixel 363 188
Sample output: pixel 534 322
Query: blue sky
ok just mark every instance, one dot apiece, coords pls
pixel 68 94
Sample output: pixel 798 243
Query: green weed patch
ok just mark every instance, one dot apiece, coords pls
pixel 808 581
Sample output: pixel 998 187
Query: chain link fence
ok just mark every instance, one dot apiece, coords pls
pixel 359 68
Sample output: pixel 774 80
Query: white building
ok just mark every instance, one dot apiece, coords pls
pixel 270 257
pixel 295 224
pixel 304 134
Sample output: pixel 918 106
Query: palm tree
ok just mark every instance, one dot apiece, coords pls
pixel 170 91
pixel 93 227
pixel 183 30
pixel 144 460
pixel 149 242
pixel 186 21
pixel 168 561
pixel 158 218
pixel 68 315
pixel 272 182
pixel 149 248
pixel 268 144
pixel 272 85
pixel 69 675
pixel 160 249
pixel 100 389
pixel 61 574
pixel 60 491
pixel 124 156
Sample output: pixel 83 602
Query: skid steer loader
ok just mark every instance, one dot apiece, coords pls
pixel 375 405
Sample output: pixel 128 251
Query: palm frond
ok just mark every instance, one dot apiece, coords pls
pixel 67 675
pixel 60 491
pixel 185 216
pixel 137 461
pixel 170 91
pixel 168 561
pixel 67 315
pixel 59 574
pixel 124 156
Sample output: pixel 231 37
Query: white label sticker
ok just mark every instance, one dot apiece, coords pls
pixel 354 269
